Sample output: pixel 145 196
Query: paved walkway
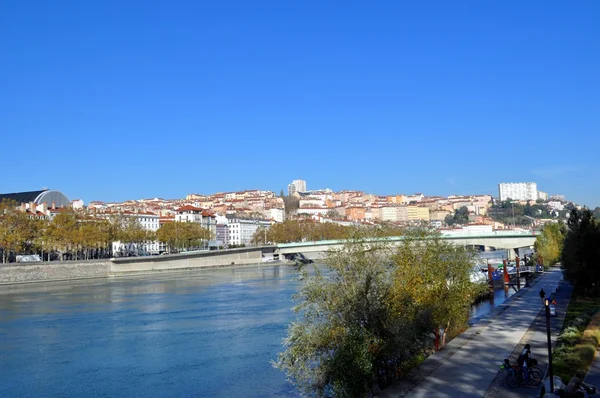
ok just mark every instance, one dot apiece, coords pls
pixel 470 362
pixel 537 338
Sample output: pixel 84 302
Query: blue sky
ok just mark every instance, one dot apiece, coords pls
pixel 115 100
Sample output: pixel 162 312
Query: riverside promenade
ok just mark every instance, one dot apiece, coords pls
pixel 469 364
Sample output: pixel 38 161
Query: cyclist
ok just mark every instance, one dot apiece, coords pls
pixel 524 351
pixel 524 361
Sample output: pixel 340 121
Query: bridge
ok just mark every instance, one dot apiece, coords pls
pixel 510 240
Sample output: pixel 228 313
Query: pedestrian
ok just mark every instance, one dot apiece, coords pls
pixel 542 295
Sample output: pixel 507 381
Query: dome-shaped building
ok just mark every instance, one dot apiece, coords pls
pixel 48 196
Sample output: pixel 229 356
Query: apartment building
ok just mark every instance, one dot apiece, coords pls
pixel 296 186
pixel 518 191
pixel 200 216
pixel 356 213
pixel 241 230
pixel 312 210
pixel 417 213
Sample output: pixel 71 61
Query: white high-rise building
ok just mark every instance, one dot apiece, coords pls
pixel 296 186
pixel 518 191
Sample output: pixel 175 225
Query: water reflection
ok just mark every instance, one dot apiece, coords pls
pixel 486 306
pixel 199 333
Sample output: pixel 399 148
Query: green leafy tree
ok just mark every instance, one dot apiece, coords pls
pixel 347 333
pixel 17 231
pixel 581 251
pixel 435 275
pixel 549 242
pixel 372 309
pixel 460 216
pixel 182 235
pixel 62 233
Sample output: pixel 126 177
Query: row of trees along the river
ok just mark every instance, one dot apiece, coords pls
pixel 577 246
pixel 373 310
pixel 308 230
pixel 80 235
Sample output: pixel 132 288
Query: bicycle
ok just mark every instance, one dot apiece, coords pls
pixel 516 376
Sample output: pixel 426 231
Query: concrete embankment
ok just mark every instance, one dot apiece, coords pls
pixel 71 270
pixel 54 271
pixel 184 261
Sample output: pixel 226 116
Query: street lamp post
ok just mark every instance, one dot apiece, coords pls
pixel 550 373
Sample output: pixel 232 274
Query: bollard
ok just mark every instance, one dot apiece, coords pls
pixel 518 261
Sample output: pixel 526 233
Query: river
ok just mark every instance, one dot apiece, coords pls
pixel 188 334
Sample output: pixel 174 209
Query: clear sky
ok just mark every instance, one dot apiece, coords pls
pixel 115 100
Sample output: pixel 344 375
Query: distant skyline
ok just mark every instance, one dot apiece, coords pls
pixel 114 101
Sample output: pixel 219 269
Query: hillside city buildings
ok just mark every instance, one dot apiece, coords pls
pixel 296 186
pixel 235 217
pixel 519 191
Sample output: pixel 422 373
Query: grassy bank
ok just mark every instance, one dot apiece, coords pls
pixel 577 343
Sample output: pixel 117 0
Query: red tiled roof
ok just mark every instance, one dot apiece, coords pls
pixel 188 208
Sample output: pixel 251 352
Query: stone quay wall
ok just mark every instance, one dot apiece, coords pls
pixel 72 270
pixel 192 260
pixel 53 271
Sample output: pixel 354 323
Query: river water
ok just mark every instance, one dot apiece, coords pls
pixel 209 333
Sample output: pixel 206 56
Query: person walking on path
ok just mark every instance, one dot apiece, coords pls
pixel 542 295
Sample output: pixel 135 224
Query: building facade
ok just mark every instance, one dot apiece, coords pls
pixel 205 218
pixel 518 191
pixel 241 230
pixel 296 186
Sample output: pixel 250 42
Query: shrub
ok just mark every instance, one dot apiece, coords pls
pixel 585 352
pixel 570 336
pixel 576 346
pixel 592 336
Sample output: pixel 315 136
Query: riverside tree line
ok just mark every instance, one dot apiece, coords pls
pixel 576 245
pixel 80 235
pixel 374 310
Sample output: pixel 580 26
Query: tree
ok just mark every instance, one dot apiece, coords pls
pixel 347 333
pixel 435 275
pixel 62 233
pixel 549 242
pixel 291 204
pixel 260 236
pixel 581 251
pixel 371 309
pixel 17 231
pixel 460 216
pixel 182 235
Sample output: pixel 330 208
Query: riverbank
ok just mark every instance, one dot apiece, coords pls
pixel 468 363
pixel 54 271
pixel 87 269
